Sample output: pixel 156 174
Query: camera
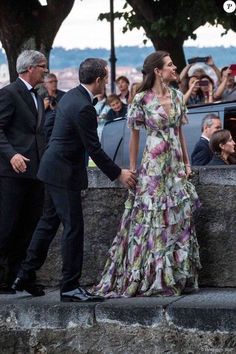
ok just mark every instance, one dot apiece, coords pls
pixel 203 83
pixel 198 60
pixel 52 101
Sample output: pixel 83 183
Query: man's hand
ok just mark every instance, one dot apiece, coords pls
pixel 128 178
pixel 46 102
pixel 18 163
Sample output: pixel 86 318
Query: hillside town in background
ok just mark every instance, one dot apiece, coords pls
pixel 68 77
pixel 64 63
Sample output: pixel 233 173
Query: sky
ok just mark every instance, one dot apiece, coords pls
pixel 82 30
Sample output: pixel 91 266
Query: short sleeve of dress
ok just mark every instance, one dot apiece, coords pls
pixel 184 110
pixel 136 115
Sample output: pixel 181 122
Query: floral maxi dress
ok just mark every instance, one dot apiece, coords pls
pixel 155 251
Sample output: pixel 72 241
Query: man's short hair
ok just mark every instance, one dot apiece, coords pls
pixel 208 120
pixel 92 68
pixel 50 76
pixel 124 78
pixel 113 97
pixel 28 58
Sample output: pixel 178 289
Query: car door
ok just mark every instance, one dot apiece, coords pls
pixel 112 139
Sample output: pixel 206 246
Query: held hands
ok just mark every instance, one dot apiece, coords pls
pixel 128 178
pixel 18 163
pixel 188 171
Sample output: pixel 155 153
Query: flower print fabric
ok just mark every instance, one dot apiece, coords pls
pixel 155 251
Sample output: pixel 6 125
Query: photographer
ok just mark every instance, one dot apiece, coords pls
pixel 200 90
pixel 194 94
pixel 207 86
pixel 226 91
pixel 199 66
pixel 52 95
pixel 50 98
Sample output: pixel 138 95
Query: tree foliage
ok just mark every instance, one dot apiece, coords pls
pixel 168 23
pixel 26 24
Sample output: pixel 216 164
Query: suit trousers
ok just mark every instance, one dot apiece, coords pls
pixel 61 205
pixel 21 205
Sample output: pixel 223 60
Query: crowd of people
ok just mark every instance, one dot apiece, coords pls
pixel 44 143
pixel 205 83
pixel 199 82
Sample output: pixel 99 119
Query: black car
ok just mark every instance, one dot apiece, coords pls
pixel 115 134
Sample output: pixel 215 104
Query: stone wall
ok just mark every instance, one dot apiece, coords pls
pixel 215 225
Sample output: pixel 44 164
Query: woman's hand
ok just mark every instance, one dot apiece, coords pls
pixel 194 84
pixel 188 170
pixel 226 74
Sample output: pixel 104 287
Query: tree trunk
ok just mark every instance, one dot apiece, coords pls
pixel 174 46
pixel 26 24
pixel 149 12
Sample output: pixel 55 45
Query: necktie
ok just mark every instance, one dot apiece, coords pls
pixel 35 96
pixel 33 91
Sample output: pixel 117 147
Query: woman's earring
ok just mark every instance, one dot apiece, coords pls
pixel 162 82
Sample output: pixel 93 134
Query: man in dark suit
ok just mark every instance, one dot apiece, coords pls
pixel 202 153
pixel 63 170
pixel 21 146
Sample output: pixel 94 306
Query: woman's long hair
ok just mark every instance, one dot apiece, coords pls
pixel 154 60
pixel 221 136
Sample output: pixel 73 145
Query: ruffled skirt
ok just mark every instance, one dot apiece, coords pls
pixel 155 251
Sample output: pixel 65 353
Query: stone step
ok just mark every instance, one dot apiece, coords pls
pixel 204 322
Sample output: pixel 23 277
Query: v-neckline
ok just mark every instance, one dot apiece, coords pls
pixel 168 113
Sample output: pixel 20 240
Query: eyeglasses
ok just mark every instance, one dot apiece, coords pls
pixel 43 66
pixel 50 82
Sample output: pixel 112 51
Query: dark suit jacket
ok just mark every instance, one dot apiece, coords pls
pixel 201 154
pixel 49 124
pixel 216 160
pixel 74 133
pixel 21 129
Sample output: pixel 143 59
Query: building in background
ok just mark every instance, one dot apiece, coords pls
pixel 68 77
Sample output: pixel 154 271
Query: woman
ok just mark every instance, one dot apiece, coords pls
pixel 155 251
pixel 222 145
pixel 207 86
pixel 226 91
pixel 133 90
pixel 102 106
pixel 194 94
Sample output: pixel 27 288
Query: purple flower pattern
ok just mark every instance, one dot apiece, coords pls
pixel 155 251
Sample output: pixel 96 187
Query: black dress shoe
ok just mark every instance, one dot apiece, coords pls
pixel 31 288
pixel 189 290
pixel 6 289
pixel 80 295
